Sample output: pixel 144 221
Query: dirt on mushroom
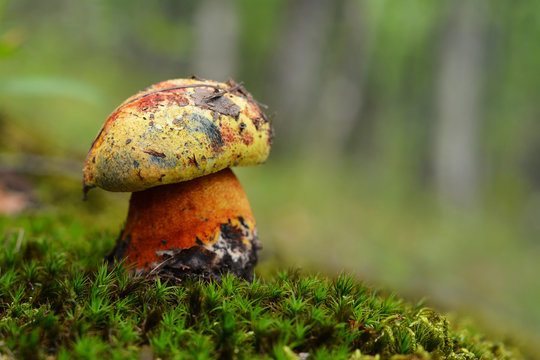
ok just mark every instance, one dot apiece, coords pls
pixel 172 145
pixel 215 122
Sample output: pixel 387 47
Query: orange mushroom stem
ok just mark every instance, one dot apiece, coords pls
pixel 198 228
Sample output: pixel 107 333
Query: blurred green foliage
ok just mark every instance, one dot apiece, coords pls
pixel 362 94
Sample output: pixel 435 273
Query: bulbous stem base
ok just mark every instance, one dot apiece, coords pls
pixel 198 228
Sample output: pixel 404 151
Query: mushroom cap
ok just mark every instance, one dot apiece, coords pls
pixel 175 131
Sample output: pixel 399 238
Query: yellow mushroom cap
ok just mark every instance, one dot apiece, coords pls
pixel 175 131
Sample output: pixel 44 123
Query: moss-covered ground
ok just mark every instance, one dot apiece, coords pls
pixel 59 300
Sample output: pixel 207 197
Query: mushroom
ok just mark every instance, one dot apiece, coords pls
pixel 172 146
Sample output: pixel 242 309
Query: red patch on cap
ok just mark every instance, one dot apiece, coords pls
pixel 149 101
pixel 247 138
pixel 227 134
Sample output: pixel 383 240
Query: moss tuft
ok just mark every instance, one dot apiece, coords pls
pixel 55 300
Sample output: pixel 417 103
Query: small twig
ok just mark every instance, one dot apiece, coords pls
pixel 220 92
pixel 19 240
pixel 218 88
pixel 264 106
pixel 158 266
pixel 5 348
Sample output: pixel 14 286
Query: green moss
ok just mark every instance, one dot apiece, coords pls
pixel 58 298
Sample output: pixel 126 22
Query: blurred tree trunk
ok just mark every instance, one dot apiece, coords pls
pixel 216 40
pixel 342 95
pixel 298 69
pixel 459 86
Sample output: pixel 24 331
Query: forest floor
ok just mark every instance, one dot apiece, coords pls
pixel 59 299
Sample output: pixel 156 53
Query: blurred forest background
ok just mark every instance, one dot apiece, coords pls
pixel 407 144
